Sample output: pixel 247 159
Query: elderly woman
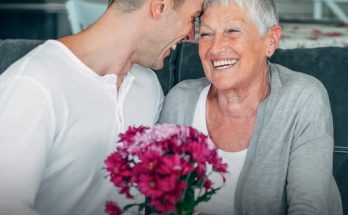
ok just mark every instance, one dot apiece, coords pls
pixel 272 125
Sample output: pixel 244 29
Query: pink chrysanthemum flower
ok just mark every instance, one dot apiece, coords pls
pixel 112 208
pixel 166 163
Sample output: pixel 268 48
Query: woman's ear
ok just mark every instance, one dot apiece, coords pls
pixel 274 35
pixel 159 7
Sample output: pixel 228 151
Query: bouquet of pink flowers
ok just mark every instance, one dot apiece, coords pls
pixel 168 165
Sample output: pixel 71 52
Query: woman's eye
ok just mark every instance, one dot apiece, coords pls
pixel 204 34
pixel 233 30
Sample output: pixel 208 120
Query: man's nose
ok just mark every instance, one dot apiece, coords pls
pixel 191 35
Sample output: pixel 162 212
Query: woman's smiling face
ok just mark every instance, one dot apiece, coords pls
pixel 232 51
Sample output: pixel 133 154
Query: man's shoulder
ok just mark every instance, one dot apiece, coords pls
pixel 141 72
pixel 45 64
pixel 145 81
pixel 44 56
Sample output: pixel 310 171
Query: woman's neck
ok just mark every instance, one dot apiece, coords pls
pixel 241 102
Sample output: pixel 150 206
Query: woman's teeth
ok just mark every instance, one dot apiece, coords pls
pixel 224 63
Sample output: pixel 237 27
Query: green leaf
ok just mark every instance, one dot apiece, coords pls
pixel 127 207
pixel 141 207
pixel 187 203
pixel 206 196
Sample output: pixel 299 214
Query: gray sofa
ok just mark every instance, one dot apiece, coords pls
pixel 330 65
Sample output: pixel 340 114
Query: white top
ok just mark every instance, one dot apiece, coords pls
pixel 222 203
pixel 59 121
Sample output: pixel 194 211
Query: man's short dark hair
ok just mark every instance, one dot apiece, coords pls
pixel 130 5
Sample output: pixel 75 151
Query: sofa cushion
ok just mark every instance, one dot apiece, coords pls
pixel 166 75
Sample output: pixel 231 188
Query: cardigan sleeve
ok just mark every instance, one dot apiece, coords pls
pixel 310 185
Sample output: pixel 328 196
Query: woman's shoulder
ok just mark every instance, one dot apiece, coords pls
pixel 192 84
pixel 189 87
pixel 289 80
pixel 181 100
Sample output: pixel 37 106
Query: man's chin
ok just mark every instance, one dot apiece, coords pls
pixel 158 66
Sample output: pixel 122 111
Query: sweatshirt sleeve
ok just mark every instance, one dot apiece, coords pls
pixel 26 135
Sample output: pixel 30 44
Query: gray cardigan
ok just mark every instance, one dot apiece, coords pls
pixel 288 167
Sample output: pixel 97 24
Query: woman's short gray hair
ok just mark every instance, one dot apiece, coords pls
pixel 263 12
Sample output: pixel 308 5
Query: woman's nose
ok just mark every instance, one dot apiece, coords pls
pixel 218 45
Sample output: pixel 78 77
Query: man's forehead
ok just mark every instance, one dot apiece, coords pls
pixel 197 6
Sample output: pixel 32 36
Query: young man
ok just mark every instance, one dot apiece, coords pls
pixel 63 105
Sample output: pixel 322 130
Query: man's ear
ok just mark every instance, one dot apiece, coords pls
pixel 159 7
pixel 274 35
